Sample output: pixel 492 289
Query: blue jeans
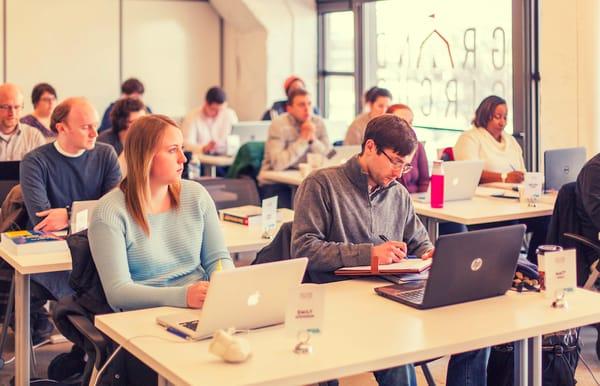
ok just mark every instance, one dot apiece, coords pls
pixel 468 368
pixel 397 376
pixel 57 283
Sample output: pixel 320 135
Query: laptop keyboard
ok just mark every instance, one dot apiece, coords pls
pixel 192 324
pixel 413 296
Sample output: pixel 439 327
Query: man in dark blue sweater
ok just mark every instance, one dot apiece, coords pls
pixel 73 168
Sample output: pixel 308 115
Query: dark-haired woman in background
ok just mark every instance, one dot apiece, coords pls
pixel 503 160
pixel 43 98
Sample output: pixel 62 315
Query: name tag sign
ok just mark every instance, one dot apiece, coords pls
pixel 81 221
pixel 305 310
pixel 269 216
pixel 560 269
pixel 532 187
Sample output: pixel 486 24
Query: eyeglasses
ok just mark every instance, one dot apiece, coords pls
pixel 11 107
pixel 49 99
pixel 398 165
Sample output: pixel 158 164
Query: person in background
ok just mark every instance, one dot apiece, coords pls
pixel 486 140
pixel 291 137
pixel 503 160
pixel 378 102
pixel 43 98
pixel 131 88
pixel 16 138
pixel 280 107
pixel 365 102
pixel 205 129
pixel 123 114
pixel 415 180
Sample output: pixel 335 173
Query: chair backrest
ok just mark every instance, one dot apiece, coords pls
pixel 13 214
pixel 447 154
pixel 564 217
pixel 231 192
pixel 248 160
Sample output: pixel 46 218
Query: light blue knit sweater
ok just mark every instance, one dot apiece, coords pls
pixel 185 245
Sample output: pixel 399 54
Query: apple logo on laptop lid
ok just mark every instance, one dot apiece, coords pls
pixel 253 299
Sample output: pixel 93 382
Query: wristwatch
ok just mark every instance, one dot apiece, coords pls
pixel 503 176
pixel 68 208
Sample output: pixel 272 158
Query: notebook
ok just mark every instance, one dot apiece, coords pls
pixel 415 265
pixel 466 266
pixel 243 298
pixel 460 181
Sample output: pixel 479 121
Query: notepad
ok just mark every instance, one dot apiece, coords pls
pixel 405 266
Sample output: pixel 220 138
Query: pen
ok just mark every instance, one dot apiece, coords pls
pixel 385 240
pixel 177 332
pixel 219 265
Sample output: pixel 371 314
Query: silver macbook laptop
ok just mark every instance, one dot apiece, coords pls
pixel 562 166
pixel 466 266
pixel 340 154
pixel 460 181
pixel 251 131
pixel 81 214
pixel 242 298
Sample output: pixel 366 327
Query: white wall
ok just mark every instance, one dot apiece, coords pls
pixel 265 42
pixel 569 65
pixel 174 48
pixel 171 45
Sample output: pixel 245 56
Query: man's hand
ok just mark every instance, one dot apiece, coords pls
pixel 515 177
pixel 55 220
pixel 196 294
pixel 428 255
pixel 209 147
pixel 308 130
pixel 389 252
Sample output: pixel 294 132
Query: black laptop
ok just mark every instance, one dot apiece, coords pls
pixel 562 166
pixel 466 266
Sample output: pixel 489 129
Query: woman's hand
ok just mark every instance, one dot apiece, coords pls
pixel 196 293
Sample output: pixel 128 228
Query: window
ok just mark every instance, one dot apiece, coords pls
pixel 440 60
pixel 337 66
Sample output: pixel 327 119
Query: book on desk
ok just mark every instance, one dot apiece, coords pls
pixel 404 266
pixel 32 242
pixel 246 215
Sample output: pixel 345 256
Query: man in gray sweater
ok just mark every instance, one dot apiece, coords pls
pixel 345 209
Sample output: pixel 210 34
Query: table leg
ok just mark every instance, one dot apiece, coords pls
pixel 22 332
pixel 521 363
pixel 537 360
pixel 209 170
pixel 432 228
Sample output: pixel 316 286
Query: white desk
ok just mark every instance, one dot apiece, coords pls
pixel 24 266
pixel 479 210
pixel 362 332
pixel 210 162
pixel 243 238
pixel 289 177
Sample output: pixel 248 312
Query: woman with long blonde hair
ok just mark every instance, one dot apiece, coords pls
pixel 156 238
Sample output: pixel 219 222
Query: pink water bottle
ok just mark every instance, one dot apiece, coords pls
pixel 437 185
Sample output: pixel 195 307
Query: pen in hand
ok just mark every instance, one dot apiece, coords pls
pixel 385 240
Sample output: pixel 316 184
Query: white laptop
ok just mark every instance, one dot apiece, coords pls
pixel 81 214
pixel 340 154
pixel 460 181
pixel 243 298
pixel 251 131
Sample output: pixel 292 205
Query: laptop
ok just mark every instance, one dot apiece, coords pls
pixel 340 154
pixel 562 166
pixel 466 266
pixel 243 298
pixel 251 131
pixel 460 181
pixel 81 215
